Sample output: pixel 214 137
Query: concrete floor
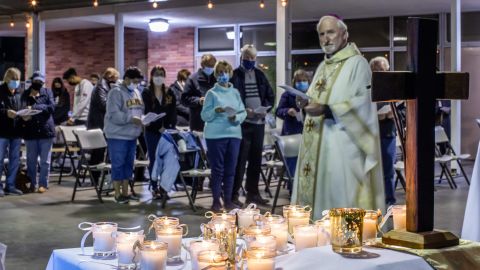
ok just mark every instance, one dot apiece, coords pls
pixel 33 225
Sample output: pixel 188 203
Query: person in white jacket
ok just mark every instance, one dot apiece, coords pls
pixel 81 99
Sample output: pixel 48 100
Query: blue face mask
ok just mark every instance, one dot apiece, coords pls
pixel 302 86
pixel 223 78
pixel 208 70
pixel 13 84
pixel 248 65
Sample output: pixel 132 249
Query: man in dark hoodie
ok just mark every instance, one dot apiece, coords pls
pixel 10 133
pixel 196 88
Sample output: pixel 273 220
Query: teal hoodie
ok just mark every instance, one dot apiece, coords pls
pixel 217 125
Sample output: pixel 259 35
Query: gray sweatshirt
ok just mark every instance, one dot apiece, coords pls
pixel 81 100
pixel 122 105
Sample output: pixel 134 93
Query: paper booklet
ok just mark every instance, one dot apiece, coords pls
pixel 384 110
pixel 231 111
pixel 294 91
pixel 262 109
pixel 151 117
pixel 28 112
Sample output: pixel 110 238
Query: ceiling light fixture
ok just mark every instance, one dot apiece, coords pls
pixel 158 25
pixel 95 3
pixel 210 4
pixel 155 4
pixel 262 4
pixel 284 3
pixel 27 23
pixel 12 23
pixel 33 3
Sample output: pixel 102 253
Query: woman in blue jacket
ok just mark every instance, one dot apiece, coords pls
pixel 287 108
pixel 38 130
pixel 223 112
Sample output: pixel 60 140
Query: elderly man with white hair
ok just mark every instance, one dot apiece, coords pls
pixel 339 161
pixel 255 91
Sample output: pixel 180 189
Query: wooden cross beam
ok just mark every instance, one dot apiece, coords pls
pixel 421 86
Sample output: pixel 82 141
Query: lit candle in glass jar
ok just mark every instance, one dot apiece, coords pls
pixel 211 259
pixel 265 241
pixel 153 255
pixel 104 238
pixel 201 245
pixel 370 221
pixel 125 244
pixel 323 227
pixel 173 237
pixel 297 217
pixel 399 217
pixel 261 259
pixel 279 228
pixel 306 236
pixel 246 217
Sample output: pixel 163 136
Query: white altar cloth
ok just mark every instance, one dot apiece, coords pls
pixel 471 221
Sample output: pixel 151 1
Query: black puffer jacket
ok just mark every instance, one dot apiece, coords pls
pixel 9 127
pixel 40 126
pixel 183 113
pixel 196 87
pixel 98 105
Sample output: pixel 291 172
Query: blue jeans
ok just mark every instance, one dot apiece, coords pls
pixel 152 139
pixel 222 155
pixel 13 146
pixel 122 156
pixel 388 160
pixel 35 149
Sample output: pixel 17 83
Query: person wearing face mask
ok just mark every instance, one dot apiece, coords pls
pixel 158 99
pixel 339 162
pixel 10 140
pixel 123 125
pixel 81 98
pixel 183 113
pixel 38 131
pixel 287 109
pixel 62 101
pixel 97 110
pixel 196 88
pixel 223 134
pixel 255 91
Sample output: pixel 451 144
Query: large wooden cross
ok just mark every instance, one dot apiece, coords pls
pixel 421 86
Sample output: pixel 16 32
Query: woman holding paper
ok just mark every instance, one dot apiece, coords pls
pixel 158 99
pixel 38 130
pixel 223 112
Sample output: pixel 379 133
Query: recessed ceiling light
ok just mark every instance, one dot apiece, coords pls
pixel 158 25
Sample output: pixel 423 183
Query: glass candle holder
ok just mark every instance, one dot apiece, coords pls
pixel 125 243
pixel 212 259
pixel 153 255
pixel 201 245
pixel 346 229
pixel 226 234
pixel 173 237
pixel 260 259
pixel 160 222
pixel 370 225
pixel 298 217
pixel 104 234
pixel 246 217
pixel 399 217
pixel 306 236
pixel 288 208
pixel 265 241
pixel 278 227
pixel 232 218
pixel 323 230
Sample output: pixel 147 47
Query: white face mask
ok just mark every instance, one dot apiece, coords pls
pixel 132 86
pixel 158 80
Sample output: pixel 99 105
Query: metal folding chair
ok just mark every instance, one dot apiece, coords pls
pixel 71 147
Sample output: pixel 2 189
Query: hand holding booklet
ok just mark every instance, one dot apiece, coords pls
pixel 28 112
pixel 294 91
pixel 262 109
pixel 231 111
pixel 151 117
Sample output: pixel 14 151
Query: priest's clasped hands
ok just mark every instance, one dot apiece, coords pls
pixel 312 109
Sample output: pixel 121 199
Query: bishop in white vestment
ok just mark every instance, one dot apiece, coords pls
pixel 339 163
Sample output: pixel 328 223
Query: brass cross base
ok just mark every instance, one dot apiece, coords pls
pixel 421 240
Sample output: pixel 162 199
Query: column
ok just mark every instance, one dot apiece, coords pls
pixel 456 65
pixel 284 64
pixel 119 43
pixel 35 45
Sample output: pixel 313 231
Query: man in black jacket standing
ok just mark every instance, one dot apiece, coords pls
pixel 183 113
pixel 255 91
pixel 98 108
pixel 195 89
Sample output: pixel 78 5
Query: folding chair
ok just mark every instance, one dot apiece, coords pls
pixel 286 147
pixel 71 146
pixel 89 140
pixel 478 122
pixel 442 138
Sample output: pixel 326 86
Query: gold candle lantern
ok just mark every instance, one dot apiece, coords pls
pixel 346 229
pixel 226 234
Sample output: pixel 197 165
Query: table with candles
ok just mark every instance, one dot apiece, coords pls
pixel 261 242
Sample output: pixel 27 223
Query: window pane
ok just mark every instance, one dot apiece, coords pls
pixel 400 28
pixel 268 65
pixel 372 32
pixel 400 61
pixel 262 36
pixel 304 36
pixel 470 29
pixel 214 39
pixel 308 62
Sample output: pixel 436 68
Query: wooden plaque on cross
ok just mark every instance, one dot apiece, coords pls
pixel 421 86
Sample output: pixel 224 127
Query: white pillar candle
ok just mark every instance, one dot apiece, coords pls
pixel 198 246
pixel 399 217
pixel 305 236
pixel 370 221
pixel 280 230
pixel 173 237
pixel 153 255
pixel 125 244
pixel 246 217
pixel 260 259
pixel 103 237
pixel 297 218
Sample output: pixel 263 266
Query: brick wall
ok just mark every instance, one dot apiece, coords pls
pixel 91 50
pixel 173 50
